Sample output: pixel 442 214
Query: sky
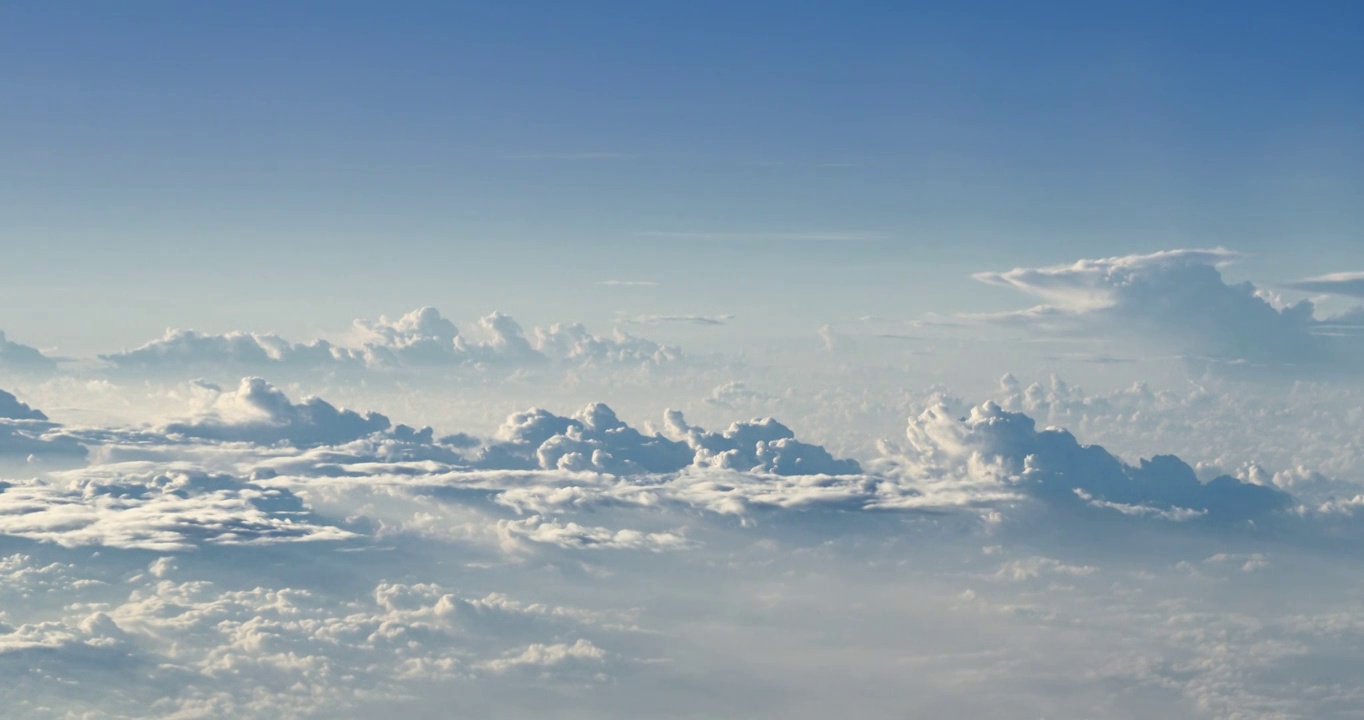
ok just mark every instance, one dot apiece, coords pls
pixel 682 360
pixel 790 163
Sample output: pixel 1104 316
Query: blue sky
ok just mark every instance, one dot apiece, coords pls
pixel 278 166
pixel 961 373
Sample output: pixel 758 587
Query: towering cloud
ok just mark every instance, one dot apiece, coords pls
pixel 1176 298
pixel 991 452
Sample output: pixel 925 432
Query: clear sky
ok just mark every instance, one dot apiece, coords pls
pixel 290 166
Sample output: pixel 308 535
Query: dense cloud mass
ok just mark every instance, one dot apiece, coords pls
pixel 255 550
pixel 258 412
pixel 267 557
pixel 26 434
pixel 595 439
pixel 1052 465
pixel 1178 298
pixel 419 339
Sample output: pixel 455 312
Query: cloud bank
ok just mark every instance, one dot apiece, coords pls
pixel 419 339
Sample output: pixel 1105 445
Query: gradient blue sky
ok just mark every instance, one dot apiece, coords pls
pixel 289 166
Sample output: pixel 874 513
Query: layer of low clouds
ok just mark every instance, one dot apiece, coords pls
pixel 273 556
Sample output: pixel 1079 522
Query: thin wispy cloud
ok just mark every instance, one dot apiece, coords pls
pixel 1350 284
pixel 771 237
pixel 691 319
pixel 573 156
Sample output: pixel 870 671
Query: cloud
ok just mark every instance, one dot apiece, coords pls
pixel 1350 284
pixel 574 156
pixel 25 432
pixel 190 349
pixel 419 339
pixel 1007 453
pixel 12 409
pixel 780 237
pixel 572 343
pixel 258 412
pixel 156 511
pixel 595 439
pixel 16 356
pixel 626 283
pixel 1176 298
pixel 691 319
pixel 571 535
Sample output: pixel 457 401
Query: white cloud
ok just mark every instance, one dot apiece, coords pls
pixel 1173 301
pixel 1350 284
pixel 419 339
pixel 258 412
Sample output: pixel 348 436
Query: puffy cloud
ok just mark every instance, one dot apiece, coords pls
pixel 421 338
pixel 194 350
pixel 163 511
pixel 16 356
pixel 1343 283
pixel 762 445
pixel 1051 465
pixel 595 439
pixel 574 344
pixel 537 529
pixel 1177 297
pixel 258 412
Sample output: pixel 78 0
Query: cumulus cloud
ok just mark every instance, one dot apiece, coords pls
pixel 419 339
pixel 1005 452
pixel 258 412
pixel 595 439
pixel 1177 298
pixel 191 349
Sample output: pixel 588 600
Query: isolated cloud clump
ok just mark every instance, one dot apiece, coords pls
pixel 1178 298
pixel 595 439
pixel 1052 466
pixel 258 412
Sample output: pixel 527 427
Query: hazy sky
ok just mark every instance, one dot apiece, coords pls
pixel 291 166
pixel 876 360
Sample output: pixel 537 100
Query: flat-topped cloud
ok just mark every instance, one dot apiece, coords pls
pixel 1176 301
